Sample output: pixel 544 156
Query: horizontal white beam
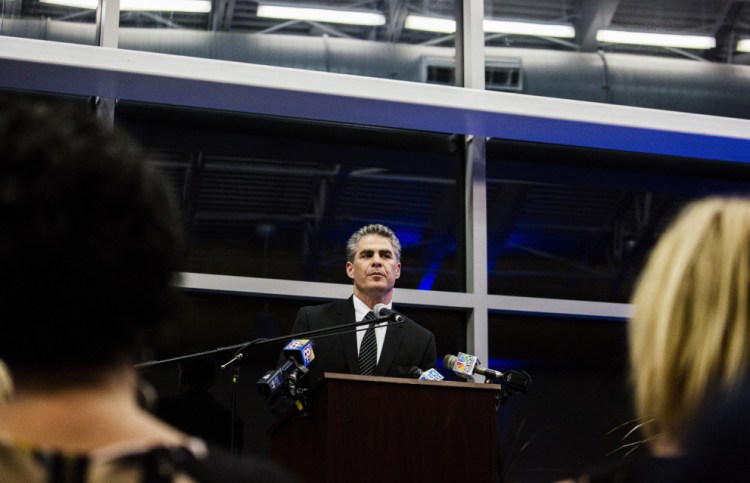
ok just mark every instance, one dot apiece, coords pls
pixel 576 308
pixel 417 298
pixel 264 286
pixel 249 88
pixel 314 290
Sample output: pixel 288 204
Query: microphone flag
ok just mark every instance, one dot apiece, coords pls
pixel 431 375
pixel 301 350
pixel 465 364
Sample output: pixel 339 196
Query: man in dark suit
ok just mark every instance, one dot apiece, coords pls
pixel 373 263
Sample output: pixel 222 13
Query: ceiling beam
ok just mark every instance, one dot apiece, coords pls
pixel 724 32
pixel 395 14
pixel 221 15
pixel 593 15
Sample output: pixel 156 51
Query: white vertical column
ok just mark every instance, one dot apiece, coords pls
pixel 476 241
pixel 107 33
pixel 470 74
pixel 108 23
pixel 470 43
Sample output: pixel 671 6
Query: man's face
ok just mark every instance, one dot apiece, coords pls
pixel 375 268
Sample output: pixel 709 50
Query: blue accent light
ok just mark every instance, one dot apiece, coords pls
pixel 407 237
pixel 515 238
pixel 506 364
pixel 429 278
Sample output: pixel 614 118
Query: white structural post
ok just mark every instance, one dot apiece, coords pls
pixel 470 74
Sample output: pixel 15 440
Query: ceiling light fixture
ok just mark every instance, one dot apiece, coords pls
pixel 448 26
pixel 352 17
pixel 699 42
pixel 528 28
pixel 743 45
pixel 190 6
pixel 430 24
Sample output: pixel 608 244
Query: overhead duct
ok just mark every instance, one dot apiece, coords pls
pixel 655 82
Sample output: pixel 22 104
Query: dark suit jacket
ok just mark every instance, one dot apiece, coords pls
pixel 404 347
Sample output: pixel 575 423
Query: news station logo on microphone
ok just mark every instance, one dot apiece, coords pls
pixel 303 348
pixel 464 364
pixel 431 375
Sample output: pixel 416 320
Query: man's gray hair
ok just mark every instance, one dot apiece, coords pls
pixel 374 229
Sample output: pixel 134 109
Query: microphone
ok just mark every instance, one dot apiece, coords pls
pixel 466 365
pixel 412 373
pixel 299 354
pixel 301 350
pixel 382 311
pixel 428 375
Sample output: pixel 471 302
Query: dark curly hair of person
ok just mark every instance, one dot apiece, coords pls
pixel 90 239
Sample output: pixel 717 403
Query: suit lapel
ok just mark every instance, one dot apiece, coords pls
pixel 393 337
pixel 345 314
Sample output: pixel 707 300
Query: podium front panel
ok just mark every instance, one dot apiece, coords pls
pixel 375 429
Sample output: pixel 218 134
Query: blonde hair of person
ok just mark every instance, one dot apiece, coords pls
pixel 688 334
pixel 6 383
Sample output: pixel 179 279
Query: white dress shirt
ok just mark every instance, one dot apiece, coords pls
pixel 360 310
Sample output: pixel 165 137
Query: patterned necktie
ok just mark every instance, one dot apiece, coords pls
pixel 368 351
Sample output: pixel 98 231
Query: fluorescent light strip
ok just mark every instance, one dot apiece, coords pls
pixel 743 45
pixel 352 17
pixel 448 26
pixel 430 24
pixel 190 6
pixel 659 40
pixel 527 28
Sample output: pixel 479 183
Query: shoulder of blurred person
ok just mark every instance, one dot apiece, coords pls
pixel 192 461
pixel 638 469
pixel 719 446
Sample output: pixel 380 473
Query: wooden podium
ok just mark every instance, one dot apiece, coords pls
pixel 384 429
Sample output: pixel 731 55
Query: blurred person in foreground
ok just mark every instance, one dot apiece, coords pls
pixel 6 383
pixel 689 335
pixel 89 248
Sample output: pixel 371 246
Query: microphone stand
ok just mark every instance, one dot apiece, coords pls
pixel 238 356
pixel 235 379
pixel 327 331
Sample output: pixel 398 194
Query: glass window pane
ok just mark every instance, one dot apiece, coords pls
pixel 369 38
pixel 578 223
pixel 278 198
pixel 47 20
pixel 579 394
pixel 608 52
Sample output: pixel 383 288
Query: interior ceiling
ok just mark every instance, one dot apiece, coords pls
pixel 726 20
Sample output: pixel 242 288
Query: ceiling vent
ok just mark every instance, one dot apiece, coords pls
pixel 499 74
